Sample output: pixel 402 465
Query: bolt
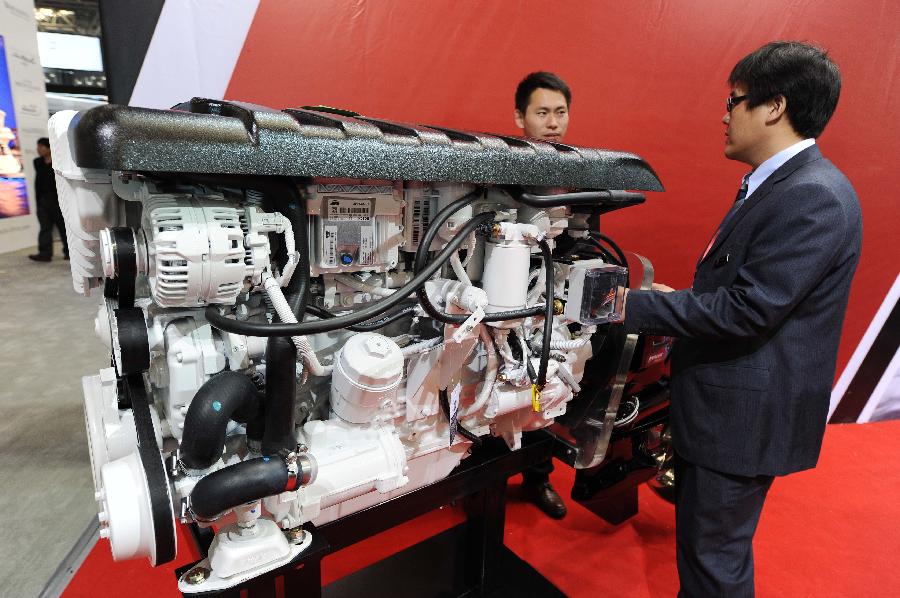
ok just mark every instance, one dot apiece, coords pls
pixel 197 575
pixel 558 307
pixel 496 230
pixel 296 535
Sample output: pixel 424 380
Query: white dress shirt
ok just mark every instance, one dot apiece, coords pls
pixel 758 176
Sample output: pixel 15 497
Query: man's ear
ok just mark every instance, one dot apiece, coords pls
pixel 519 118
pixel 777 108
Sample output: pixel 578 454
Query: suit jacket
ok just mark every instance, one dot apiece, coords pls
pixel 758 332
pixel 44 180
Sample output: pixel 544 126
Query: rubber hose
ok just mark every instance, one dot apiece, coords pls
pixel 226 396
pixel 281 391
pixel 369 325
pixel 367 313
pixel 445 407
pixel 256 427
pixel 548 314
pixel 238 484
pixel 604 252
pixel 517 348
pixel 622 259
pixel 579 198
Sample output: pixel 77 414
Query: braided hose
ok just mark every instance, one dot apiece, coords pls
pixel 304 349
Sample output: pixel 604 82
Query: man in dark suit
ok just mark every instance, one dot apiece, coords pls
pixel 758 331
pixel 48 211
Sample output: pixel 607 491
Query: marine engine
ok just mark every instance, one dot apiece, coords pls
pixel 309 312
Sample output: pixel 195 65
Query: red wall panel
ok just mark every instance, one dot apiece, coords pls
pixel 647 77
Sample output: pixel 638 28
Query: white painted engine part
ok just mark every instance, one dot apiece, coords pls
pixel 368 372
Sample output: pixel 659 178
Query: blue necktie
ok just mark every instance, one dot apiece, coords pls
pixel 742 192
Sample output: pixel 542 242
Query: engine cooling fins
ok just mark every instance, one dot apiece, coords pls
pixel 221 137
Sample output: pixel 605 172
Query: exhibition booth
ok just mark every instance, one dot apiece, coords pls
pixel 352 267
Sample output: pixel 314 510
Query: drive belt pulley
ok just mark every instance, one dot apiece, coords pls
pixel 119 254
pixel 161 512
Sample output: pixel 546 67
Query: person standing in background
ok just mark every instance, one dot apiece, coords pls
pixel 542 112
pixel 48 211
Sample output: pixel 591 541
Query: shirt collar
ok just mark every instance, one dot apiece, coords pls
pixel 758 176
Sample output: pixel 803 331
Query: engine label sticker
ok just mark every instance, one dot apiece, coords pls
pixel 454 410
pixel 366 245
pixel 329 251
pixel 349 209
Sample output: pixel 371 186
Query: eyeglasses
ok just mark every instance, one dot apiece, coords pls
pixel 732 101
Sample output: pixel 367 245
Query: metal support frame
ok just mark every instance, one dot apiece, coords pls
pixel 471 557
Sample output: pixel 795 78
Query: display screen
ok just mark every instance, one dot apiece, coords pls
pixel 72 52
pixel 13 188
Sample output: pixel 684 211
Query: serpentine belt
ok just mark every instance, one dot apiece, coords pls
pixel 157 482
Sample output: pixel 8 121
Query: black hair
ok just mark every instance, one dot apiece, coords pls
pixel 804 74
pixel 540 80
pixel 44 141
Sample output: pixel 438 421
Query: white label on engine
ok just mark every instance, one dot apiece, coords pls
pixel 329 251
pixel 366 245
pixel 349 209
pixel 454 410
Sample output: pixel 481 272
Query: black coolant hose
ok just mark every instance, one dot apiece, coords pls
pixel 422 259
pixel 445 407
pixel 596 237
pixel 579 198
pixel 369 325
pixel 226 396
pixel 519 352
pixel 367 313
pixel 548 314
pixel 623 261
pixel 281 392
pixel 238 484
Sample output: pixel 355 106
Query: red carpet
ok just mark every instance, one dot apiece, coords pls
pixel 830 532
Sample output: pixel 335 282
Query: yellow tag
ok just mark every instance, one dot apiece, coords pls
pixel 535 398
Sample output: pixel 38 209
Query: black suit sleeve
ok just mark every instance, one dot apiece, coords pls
pixel 38 180
pixel 789 255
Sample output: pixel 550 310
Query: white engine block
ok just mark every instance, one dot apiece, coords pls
pixel 381 408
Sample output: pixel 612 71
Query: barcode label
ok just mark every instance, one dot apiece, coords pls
pixel 349 209
pixel 329 251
